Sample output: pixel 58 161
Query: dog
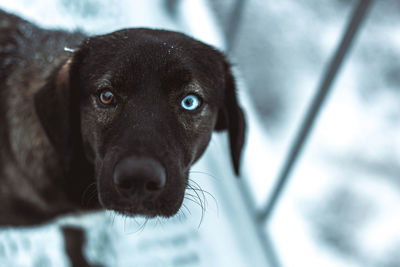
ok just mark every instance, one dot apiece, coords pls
pixel 124 115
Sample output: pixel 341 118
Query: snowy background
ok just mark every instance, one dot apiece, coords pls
pixel 342 204
pixel 341 207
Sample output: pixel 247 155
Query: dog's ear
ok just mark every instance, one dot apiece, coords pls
pixel 54 108
pixel 231 118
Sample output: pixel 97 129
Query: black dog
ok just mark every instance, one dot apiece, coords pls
pixel 127 113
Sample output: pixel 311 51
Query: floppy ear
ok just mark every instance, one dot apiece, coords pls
pixel 231 117
pixel 54 109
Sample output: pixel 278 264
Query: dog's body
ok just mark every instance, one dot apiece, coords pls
pixel 126 113
pixel 30 186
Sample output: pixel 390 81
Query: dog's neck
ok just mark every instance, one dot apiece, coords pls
pixel 24 203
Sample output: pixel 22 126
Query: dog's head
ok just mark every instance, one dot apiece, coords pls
pixel 141 105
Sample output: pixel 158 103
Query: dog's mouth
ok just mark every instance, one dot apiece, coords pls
pixel 141 212
pixel 149 210
pixel 161 207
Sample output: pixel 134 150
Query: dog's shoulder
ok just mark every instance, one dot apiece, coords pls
pixel 28 57
pixel 8 45
pixel 26 49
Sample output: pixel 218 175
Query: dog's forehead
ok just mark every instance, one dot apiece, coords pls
pixel 131 43
pixel 150 47
pixel 145 71
pixel 152 57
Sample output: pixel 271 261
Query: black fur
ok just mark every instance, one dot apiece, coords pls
pixel 74 241
pixel 58 141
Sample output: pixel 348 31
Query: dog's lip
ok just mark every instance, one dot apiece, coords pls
pixel 126 207
pixel 132 212
pixel 140 209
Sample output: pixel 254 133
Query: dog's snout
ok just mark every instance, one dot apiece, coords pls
pixel 139 175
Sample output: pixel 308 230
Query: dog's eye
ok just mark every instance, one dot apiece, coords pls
pixel 107 97
pixel 190 102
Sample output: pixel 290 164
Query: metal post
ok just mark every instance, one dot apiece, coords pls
pixel 314 108
pixel 233 25
pixel 263 237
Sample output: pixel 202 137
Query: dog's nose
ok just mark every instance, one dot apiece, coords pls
pixel 141 175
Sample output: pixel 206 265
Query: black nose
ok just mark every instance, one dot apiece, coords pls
pixel 139 175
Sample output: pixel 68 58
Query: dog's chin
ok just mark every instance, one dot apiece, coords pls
pixel 148 210
pixel 144 212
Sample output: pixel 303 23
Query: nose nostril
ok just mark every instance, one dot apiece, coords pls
pixel 124 183
pixel 153 186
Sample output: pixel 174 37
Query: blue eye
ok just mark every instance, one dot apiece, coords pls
pixel 190 102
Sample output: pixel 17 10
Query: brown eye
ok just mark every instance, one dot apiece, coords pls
pixel 107 97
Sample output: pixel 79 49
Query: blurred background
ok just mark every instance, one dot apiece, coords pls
pixel 339 205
